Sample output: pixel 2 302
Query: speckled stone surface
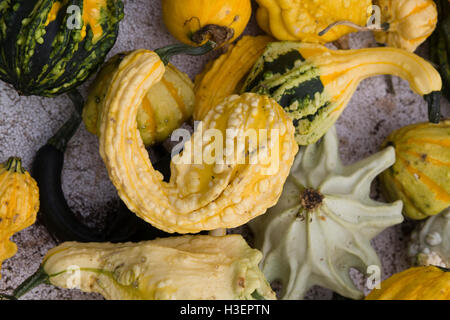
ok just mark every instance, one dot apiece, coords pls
pixel 27 122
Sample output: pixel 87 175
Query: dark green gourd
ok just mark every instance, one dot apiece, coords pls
pixel 49 47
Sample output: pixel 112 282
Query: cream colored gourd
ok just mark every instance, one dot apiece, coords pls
pixel 324 221
pixel 201 195
pixel 175 268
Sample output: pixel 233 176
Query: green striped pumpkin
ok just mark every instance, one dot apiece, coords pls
pixel 49 47
pixel 314 84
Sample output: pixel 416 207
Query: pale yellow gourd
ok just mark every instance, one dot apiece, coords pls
pixel 167 105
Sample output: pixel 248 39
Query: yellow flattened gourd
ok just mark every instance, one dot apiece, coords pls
pixel 206 193
pixel 195 21
pixel 400 23
pixel 303 20
pixel 420 176
pixel 224 76
pixel 176 268
pixel 19 204
pixel 166 106
pixel 410 22
pixel 419 283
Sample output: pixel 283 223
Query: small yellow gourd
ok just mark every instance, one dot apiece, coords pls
pixel 167 105
pixel 19 204
pixel 195 21
pixel 222 192
pixel 224 76
pixel 419 283
pixel 410 22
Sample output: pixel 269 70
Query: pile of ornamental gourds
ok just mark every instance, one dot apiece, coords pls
pixel 312 218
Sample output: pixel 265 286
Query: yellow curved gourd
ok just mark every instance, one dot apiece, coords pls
pixel 195 21
pixel 419 283
pixel 167 105
pixel 201 195
pixel 402 23
pixel 224 76
pixel 314 84
pixel 19 204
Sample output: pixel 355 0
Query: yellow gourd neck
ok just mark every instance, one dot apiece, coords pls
pixel 349 67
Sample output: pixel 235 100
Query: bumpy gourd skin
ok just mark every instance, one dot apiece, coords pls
pixel 224 76
pixel 201 195
pixel 314 84
pixel 420 176
pixel 419 283
pixel 181 268
pixel 303 20
pixel 430 241
pixel 411 22
pixel 195 21
pixel 324 221
pixel 19 204
pixel 167 105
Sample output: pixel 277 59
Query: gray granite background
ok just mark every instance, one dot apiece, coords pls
pixel 27 122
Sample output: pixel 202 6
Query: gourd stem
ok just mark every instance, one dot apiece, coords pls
pixel 63 136
pixel 38 278
pixel 257 296
pixel 383 27
pixel 444 269
pixel 14 164
pixel 168 52
pixel 218 34
pixel 434 106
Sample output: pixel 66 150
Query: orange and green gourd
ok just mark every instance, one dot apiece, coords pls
pixel 314 84
pixel 50 47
